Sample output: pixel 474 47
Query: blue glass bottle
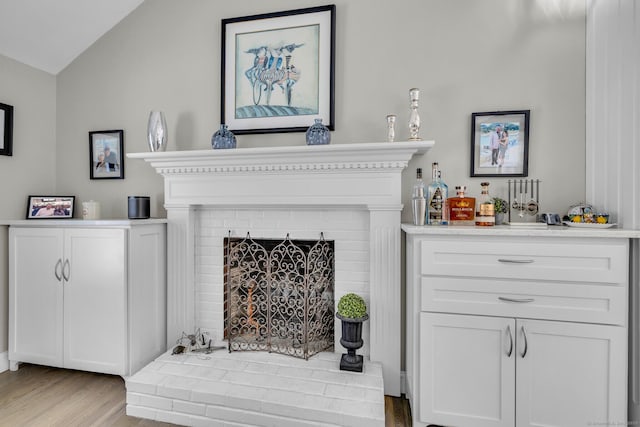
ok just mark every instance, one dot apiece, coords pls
pixel 318 134
pixel 223 138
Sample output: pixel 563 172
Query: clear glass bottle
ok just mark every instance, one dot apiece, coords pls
pixel 437 194
pixel 462 209
pixel 418 200
pixel 485 213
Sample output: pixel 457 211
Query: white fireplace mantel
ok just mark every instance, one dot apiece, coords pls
pixel 362 176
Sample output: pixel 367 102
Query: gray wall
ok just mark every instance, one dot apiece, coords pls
pixel 32 168
pixel 465 55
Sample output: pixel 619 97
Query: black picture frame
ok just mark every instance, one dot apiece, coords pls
pixel 104 163
pixel 6 130
pixel 50 207
pixel 496 153
pixel 278 71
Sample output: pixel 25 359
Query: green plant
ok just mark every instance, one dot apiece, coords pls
pixel 352 306
pixel 500 205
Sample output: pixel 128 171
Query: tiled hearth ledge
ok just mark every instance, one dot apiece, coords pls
pixel 363 179
pixel 256 389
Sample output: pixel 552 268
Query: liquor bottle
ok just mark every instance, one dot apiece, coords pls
pixel 419 201
pixel 437 193
pixel 485 213
pixel 462 209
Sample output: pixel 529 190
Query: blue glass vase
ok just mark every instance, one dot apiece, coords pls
pixel 223 138
pixel 318 134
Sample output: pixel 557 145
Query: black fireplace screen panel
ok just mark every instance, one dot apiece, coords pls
pixel 279 295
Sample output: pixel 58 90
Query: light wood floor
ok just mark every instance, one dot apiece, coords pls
pixel 42 396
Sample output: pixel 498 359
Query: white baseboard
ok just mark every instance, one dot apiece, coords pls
pixel 4 361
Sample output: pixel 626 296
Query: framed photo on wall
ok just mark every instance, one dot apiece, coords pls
pixel 278 71
pixel 50 207
pixel 106 154
pixel 6 130
pixel 500 143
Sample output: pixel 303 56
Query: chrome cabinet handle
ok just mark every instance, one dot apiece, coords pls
pixel 56 270
pixel 515 261
pixel 526 346
pixel 510 341
pixel 519 300
pixel 66 268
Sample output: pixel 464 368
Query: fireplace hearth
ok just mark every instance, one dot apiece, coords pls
pixel 351 191
pixel 279 295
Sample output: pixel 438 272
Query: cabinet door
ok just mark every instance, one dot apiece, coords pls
pixel 94 297
pixel 35 296
pixel 467 370
pixel 570 374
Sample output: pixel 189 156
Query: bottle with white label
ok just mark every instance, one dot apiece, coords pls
pixel 437 194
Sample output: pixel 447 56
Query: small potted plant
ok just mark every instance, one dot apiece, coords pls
pixel 500 209
pixel 352 311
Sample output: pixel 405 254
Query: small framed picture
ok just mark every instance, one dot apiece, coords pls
pixel 6 130
pixel 500 143
pixel 106 154
pixel 50 207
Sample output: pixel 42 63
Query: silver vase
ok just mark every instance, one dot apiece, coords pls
pixel 157 131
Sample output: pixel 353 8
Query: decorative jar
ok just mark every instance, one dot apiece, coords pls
pixel 223 138
pixel 318 134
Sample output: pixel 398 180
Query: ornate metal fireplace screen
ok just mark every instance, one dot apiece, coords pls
pixel 279 295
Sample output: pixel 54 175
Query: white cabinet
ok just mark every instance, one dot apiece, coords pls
pixel 87 297
pixel 467 372
pixel 513 331
pixel 570 374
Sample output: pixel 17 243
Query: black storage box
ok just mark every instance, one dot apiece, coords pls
pixel 139 207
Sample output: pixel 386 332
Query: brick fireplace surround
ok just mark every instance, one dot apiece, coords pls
pixel 349 192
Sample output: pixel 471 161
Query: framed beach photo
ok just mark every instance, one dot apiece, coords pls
pixel 278 71
pixel 106 154
pixel 50 207
pixel 500 143
pixel 6 130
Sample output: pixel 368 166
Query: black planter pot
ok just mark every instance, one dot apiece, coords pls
pixel 351 340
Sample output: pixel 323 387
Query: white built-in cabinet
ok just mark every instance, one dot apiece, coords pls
pixel 87 295
pixel 523 330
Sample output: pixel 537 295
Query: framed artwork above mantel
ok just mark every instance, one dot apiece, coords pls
pixel 278 71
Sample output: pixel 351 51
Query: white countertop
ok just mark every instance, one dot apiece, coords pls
pixel 506 230
pixel 77 223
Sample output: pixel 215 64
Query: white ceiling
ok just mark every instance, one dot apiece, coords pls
pixel 49 34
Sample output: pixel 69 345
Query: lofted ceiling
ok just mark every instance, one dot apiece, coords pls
pixel 50 34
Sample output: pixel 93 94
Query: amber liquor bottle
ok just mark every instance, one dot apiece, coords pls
pixel 462 209
pixel 485 213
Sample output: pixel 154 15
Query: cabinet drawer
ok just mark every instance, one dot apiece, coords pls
pixel 539 259
pixel 577 302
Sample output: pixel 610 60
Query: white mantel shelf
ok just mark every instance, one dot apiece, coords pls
pixel 360 177
pixel 303 158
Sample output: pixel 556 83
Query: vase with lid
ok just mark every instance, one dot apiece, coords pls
pixel 223 138
pixel 157 131
pixel 318 134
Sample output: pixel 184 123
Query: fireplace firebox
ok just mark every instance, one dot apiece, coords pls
pixel 279 295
